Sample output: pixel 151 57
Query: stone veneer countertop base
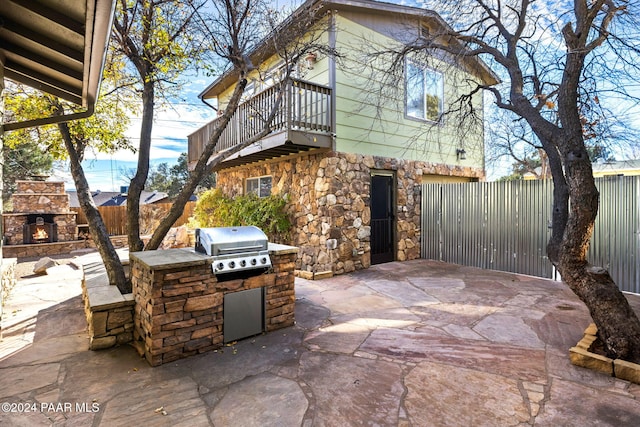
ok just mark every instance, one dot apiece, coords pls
pixel 102 295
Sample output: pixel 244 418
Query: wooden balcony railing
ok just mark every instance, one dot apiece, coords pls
pixel 305 107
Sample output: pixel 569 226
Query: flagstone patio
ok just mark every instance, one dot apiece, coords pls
pixel 418 343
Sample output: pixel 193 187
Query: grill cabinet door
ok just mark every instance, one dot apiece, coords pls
pixel 243 314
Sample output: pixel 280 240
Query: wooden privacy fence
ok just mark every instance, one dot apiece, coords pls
pixel 115 217
pixel 506 225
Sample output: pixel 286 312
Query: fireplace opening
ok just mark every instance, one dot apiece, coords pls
pixel 40 229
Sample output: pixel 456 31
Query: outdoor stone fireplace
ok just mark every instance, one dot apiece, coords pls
pixel 41 214
pixel 40 228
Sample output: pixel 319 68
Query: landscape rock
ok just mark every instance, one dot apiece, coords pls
pixel 182 237
pixel 42 265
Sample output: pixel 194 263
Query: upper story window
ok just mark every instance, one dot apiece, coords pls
pixel 260 186
pixel 424 88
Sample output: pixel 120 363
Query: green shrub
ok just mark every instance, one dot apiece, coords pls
pixel 214 209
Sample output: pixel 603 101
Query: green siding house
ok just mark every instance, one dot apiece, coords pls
pixel 350 155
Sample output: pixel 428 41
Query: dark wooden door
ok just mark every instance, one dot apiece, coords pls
pixel 382 219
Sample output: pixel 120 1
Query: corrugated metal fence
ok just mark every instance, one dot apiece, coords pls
pixel 506 225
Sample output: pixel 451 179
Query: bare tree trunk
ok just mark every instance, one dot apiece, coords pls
pixel 617 323
pixel 97 228
pixel 137 183
pixel 618 326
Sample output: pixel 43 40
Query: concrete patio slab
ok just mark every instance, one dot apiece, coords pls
pixel 418 343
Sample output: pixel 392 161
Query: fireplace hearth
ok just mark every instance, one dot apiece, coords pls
pixel 40 229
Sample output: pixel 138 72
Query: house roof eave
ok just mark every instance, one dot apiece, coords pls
pixel 58 47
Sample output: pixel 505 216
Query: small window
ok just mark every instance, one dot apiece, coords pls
pixel 260 186
pixel 424 92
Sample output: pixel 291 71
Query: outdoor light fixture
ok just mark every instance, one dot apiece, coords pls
pixel 311 60
pixel 461 154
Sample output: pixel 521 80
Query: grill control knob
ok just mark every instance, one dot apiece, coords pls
pixel 232 264
pixel 254 261
pixel 220 266
pixel 243 263
pixel 263 260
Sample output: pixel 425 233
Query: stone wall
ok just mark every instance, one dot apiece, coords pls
pixel 44 249
pixel 179 302
pixel 40 197
pixel 280 298
pixel 167 326
pixel 7 282
pixel 329 196
pixel 48 249
pixel 109 313
pixel 50 187
pixel 13 228
pixel 110 326
pixel 117 242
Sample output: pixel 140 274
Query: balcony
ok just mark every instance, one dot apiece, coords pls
pixel 303 122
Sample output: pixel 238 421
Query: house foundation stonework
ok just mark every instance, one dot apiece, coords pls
pixel 329 196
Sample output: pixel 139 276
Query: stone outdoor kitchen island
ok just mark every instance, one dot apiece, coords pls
pixel 179 302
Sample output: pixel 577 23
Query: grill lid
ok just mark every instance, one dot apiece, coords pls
pixel 217 241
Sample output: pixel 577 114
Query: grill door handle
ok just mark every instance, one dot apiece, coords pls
pixel 240 248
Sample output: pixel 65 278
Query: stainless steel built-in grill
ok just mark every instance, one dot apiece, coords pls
pixel 234 249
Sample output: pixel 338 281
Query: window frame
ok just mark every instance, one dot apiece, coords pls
pixel 426 71
pixel 259 180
